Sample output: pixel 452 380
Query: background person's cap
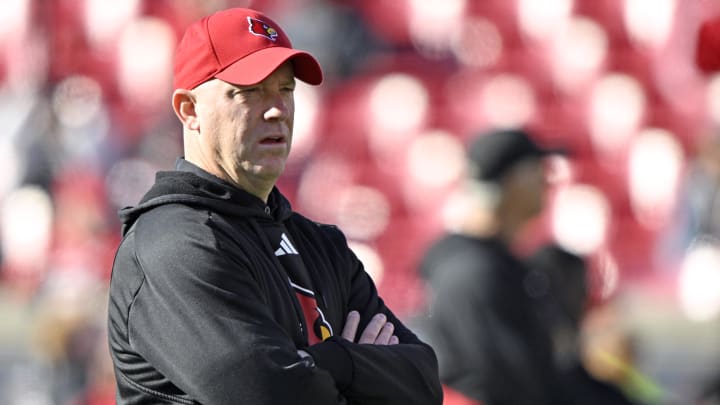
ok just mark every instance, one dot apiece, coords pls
pixel 240 46
pixel 491 154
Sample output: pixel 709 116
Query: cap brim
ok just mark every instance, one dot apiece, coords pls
pixel 255 67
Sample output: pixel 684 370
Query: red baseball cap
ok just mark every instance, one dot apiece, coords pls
pixel 240 46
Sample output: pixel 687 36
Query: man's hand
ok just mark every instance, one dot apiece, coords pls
pixel 378 331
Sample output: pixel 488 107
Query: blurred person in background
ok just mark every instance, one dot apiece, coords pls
pixel 609 351
pixel 697 216
pixel 558 278
pixel 483 323
pixel 220 293
pixel 703 189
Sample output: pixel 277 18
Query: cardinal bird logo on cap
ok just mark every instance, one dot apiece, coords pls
pixel 262 29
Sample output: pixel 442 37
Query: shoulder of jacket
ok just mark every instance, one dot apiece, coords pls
pixel 170 216
pixel 300 219
pixel 309 225
pixel 165 227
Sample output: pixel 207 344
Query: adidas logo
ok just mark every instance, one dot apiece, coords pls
pixel 286 248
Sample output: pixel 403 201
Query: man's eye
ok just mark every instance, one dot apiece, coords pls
pixel 244 91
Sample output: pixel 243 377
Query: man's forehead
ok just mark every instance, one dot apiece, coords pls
pixel 284 72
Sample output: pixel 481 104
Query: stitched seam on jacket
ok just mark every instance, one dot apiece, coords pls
pixel 158 394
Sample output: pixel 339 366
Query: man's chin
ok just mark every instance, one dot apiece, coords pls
pixel 269 171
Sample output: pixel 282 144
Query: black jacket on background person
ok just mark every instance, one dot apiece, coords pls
pixel 483 326
pixel 213 292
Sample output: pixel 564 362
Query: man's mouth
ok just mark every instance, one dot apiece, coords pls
pixel 271 140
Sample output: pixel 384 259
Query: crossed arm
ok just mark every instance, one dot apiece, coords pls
pixel 378 332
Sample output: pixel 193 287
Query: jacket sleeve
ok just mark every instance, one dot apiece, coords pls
pixel 199 318
pixel 405 373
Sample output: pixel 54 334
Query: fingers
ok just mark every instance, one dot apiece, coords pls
pixel 351 325
pixel 373 328
pixel 378 331
pixel 386 332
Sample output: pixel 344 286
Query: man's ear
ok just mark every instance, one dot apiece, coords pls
pixel 183 102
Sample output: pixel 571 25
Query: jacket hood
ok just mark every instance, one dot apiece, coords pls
pixel 190 185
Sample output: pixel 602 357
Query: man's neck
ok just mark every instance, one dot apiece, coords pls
pixel 259 188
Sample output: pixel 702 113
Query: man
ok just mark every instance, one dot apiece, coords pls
pixel 561 284
pixel 220 293
pixel 490 344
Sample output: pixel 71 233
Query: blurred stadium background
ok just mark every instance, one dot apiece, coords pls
pixel 628 86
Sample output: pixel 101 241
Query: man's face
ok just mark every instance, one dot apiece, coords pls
pixel 524 185
pixel 246 131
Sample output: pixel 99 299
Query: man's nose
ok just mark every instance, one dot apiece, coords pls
pixel 277 108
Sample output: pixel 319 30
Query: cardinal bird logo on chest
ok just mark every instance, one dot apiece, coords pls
pixel 319 328
pixel 262 29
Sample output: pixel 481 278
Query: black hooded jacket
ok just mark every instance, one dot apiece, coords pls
pixel 211 295
pixel 490 343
